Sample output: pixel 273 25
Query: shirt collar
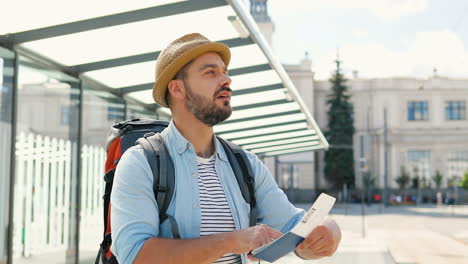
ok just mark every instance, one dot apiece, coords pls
pixel 182 143
pixel 176 138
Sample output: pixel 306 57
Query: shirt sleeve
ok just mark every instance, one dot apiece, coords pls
pixel 134 210
pixel 273 206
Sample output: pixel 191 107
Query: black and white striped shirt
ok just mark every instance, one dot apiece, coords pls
pixel 216 216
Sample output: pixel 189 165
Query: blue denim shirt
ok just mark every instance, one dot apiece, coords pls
pixel 135 212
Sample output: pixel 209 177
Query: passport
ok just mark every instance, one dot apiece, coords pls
pixel 288 242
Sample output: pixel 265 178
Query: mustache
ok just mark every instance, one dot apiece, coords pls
pixel 223 88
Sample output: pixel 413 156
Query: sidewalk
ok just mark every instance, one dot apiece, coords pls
pixel 395 235
pixel 403 235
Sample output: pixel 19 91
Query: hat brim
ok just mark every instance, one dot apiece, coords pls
pixel 160 86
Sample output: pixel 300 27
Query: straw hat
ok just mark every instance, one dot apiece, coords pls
pixel 177 54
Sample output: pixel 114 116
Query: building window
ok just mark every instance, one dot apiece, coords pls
pixel 418 111
pixel 418 164
pixel 457 164
pixel 455 110
pixel 419 155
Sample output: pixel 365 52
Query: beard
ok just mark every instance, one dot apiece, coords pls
pixel 205 110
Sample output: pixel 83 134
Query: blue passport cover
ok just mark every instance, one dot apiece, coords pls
pixel 279 248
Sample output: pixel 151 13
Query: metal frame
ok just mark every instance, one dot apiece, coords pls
pixel 162 11
pixel 12 41
pixel 250 69
pixel 257 37
pixel 268 134
pixel 265 88
pixel 14 119
pixel 110 20
pixel 284 138
pixel 78 172
pixel 250 106
pixel 260 117
pixel 122 61
pixel 145 57
pixel 287 147
pixel 148 86
pixel 260 127
pixel 284 144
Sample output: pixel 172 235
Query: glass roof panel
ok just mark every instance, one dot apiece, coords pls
pixel 297 145
pixel 139 73
pixel 279 142
pixel 135 38
pixel 257 97
pixel 271 109
pixel 246 56
pixel 274 137
pixel 260 122
pixel 255 79
pixel 256 132
pixel 127 75
pixel 25 15
pixel 145 97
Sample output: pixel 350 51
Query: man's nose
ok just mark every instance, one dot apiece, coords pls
pixel 226 80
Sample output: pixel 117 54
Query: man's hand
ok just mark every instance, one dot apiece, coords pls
pixel 321 242
pixel 251 238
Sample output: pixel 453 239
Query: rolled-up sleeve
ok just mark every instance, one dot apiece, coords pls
pixel 273 206
pixel 134 210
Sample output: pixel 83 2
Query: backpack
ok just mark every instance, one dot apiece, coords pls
pixel 146 133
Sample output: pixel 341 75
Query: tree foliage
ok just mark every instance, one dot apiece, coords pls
pixel 438 178
pixel 403 180
pixel 339 160
pixel 464 181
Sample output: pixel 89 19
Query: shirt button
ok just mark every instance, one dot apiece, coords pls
pixel 193 174
pixel 195 206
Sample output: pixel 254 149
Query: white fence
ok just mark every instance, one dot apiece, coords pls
pixel 92 190
pixel 45 195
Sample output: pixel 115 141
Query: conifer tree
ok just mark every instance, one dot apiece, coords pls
pixel 339 160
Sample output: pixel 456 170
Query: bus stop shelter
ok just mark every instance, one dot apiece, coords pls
pixel 110 48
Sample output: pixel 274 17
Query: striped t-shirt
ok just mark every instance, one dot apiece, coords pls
pixel 216 216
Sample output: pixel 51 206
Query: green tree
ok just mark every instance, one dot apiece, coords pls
pixel 453 181
pixel 403 180
pixel 464 181
pixel 339 160
pixel 438 178
pixel 415 182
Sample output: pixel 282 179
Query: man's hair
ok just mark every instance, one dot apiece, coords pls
pixel 180 75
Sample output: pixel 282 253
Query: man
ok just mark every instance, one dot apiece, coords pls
pixel 211 215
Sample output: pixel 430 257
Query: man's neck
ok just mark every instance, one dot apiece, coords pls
pixel 199 134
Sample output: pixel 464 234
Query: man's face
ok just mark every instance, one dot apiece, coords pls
pixel 208 91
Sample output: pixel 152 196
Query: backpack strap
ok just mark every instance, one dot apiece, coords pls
pixel 240 165
pixel 161 165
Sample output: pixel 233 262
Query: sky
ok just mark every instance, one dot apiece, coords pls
pixel 377 38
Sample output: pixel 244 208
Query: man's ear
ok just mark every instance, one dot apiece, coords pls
pixel 176 89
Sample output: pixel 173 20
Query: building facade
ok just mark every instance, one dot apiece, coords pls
pixel 426 125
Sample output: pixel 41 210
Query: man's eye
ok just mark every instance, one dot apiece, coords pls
pixel 210 72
